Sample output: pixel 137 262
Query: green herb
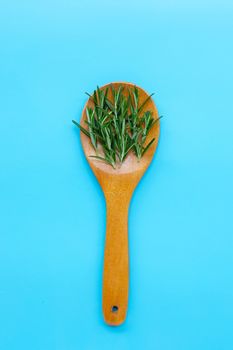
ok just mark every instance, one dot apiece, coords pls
pixel 118 126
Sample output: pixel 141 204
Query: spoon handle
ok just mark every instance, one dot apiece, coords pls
pixel 116 261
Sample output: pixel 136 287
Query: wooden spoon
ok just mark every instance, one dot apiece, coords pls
pixel 118 186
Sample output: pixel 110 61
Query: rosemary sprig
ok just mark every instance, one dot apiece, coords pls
pixel 117 126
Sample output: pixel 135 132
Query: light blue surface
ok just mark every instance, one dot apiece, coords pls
pixel 52 223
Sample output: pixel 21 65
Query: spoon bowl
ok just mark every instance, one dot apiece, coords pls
pixel 118 186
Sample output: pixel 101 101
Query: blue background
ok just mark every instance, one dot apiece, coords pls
pixel 52 210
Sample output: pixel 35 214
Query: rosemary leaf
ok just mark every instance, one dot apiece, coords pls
pixel 81 128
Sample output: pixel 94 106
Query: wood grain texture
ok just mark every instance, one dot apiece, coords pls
pixel 118 186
